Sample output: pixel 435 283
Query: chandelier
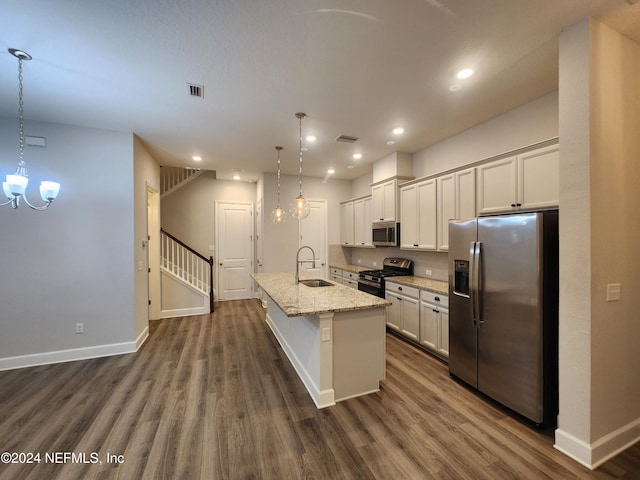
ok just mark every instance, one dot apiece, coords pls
pixel 15 185
pixel 278 215
pixel 300 207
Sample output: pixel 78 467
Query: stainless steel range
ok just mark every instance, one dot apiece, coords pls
pixel 372 281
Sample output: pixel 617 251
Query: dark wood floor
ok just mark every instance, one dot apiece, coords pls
pixel 214 397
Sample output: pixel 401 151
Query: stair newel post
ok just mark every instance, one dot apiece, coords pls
pixel 211 284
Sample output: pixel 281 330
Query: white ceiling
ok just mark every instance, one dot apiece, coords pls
pixel 355 67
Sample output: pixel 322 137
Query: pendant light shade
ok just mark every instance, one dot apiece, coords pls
pixel 15 186
pixel 278 214
pixel 300 207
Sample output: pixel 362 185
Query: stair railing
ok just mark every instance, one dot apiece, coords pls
pixel 187 264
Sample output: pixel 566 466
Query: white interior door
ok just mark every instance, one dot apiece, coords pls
pixel 234 227
pixel 313 232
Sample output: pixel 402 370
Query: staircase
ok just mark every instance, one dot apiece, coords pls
pixel 187 279
pixel 172 178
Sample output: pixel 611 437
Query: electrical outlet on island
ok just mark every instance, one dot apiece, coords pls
pixel 428 272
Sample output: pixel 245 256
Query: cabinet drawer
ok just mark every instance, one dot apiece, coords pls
pixel 434 298
pixel 402 289
pixel 350 275
pixel 336 271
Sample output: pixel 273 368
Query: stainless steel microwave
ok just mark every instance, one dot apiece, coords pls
pixel 386 234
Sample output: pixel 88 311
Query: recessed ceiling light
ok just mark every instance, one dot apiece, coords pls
pixel 331 171
pixel 311 138
pixel 304 149
pixel 398 131
pixel 464 73
pixel 391 142
pixel 197 158
pixel 455 87
pixel 357 156
pixel 349 166
pixel 236 176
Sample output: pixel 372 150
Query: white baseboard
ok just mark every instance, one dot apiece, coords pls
pixel 46 358
pixel 595 454
pixel 142 337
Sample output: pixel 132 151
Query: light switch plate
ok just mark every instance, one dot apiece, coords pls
pixel 613 292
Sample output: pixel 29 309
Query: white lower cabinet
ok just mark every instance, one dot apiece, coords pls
pixel 404 313
pixel 336 275
pixel 434 323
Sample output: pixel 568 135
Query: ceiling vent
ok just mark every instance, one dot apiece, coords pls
pixel 194 90
pixel 347 139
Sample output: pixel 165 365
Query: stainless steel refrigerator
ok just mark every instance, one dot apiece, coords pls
pixel 503 315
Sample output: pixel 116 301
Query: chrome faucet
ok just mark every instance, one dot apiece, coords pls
pixel 298 261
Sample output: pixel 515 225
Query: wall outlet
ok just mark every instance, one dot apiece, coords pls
pixel 326 334
pixel 375 264
pixel 359 261
pixel 613 292
pixel 428 272
pixel 79 327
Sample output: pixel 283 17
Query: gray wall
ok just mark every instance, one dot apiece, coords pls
pixel 75 261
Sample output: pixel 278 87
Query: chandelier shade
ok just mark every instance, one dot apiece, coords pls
pixel 15 186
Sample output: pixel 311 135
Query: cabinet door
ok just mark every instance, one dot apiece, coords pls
pixel 410 326
pixel 539 177
pixel 497 186
pixel 427 215
pixel 428 326
pixel 347 232
pixel 466 193
pixel 443 346
pixel 362 220
pixel 390 198
pixel 377 197
pixel 446 190
pixel 408 217
pixel 394 313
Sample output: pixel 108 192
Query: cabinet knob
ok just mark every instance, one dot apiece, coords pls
pixel 513 205
pixel 437 299
pixel 416 245
pixel 400 288
pixel 436 311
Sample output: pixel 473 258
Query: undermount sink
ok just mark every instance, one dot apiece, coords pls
pixel 316 282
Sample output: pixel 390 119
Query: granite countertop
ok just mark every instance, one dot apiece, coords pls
pixel 349 268
pixel 422 283
pixel 300 300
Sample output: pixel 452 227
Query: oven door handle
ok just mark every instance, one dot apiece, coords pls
pixel 369 283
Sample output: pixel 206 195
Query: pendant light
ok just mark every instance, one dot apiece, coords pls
pixel 15 186
pixel 300 207
pixel 278 214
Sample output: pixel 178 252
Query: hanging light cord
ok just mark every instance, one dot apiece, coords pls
pixel 20 111
pixel 300 116
pixel 278 149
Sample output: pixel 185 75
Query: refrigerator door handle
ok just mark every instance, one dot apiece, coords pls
pixel 474 274
pixel 478 281
pixel 473 288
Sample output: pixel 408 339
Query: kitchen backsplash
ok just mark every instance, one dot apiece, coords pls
pixel 436 262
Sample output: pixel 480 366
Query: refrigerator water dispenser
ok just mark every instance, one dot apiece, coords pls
pixel 461 277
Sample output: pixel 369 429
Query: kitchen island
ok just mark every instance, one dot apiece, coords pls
pixel 334 335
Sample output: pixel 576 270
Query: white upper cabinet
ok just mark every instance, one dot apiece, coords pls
pixel 347 232
pixel 418 222
pixel 497 185
pixel 539 178
pixel 385 201
pixel 355 223
pixel 522 182
pixel 456 199
pixel 362 211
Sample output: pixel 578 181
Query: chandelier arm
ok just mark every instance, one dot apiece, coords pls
pixel 11 200
pixel 44 207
